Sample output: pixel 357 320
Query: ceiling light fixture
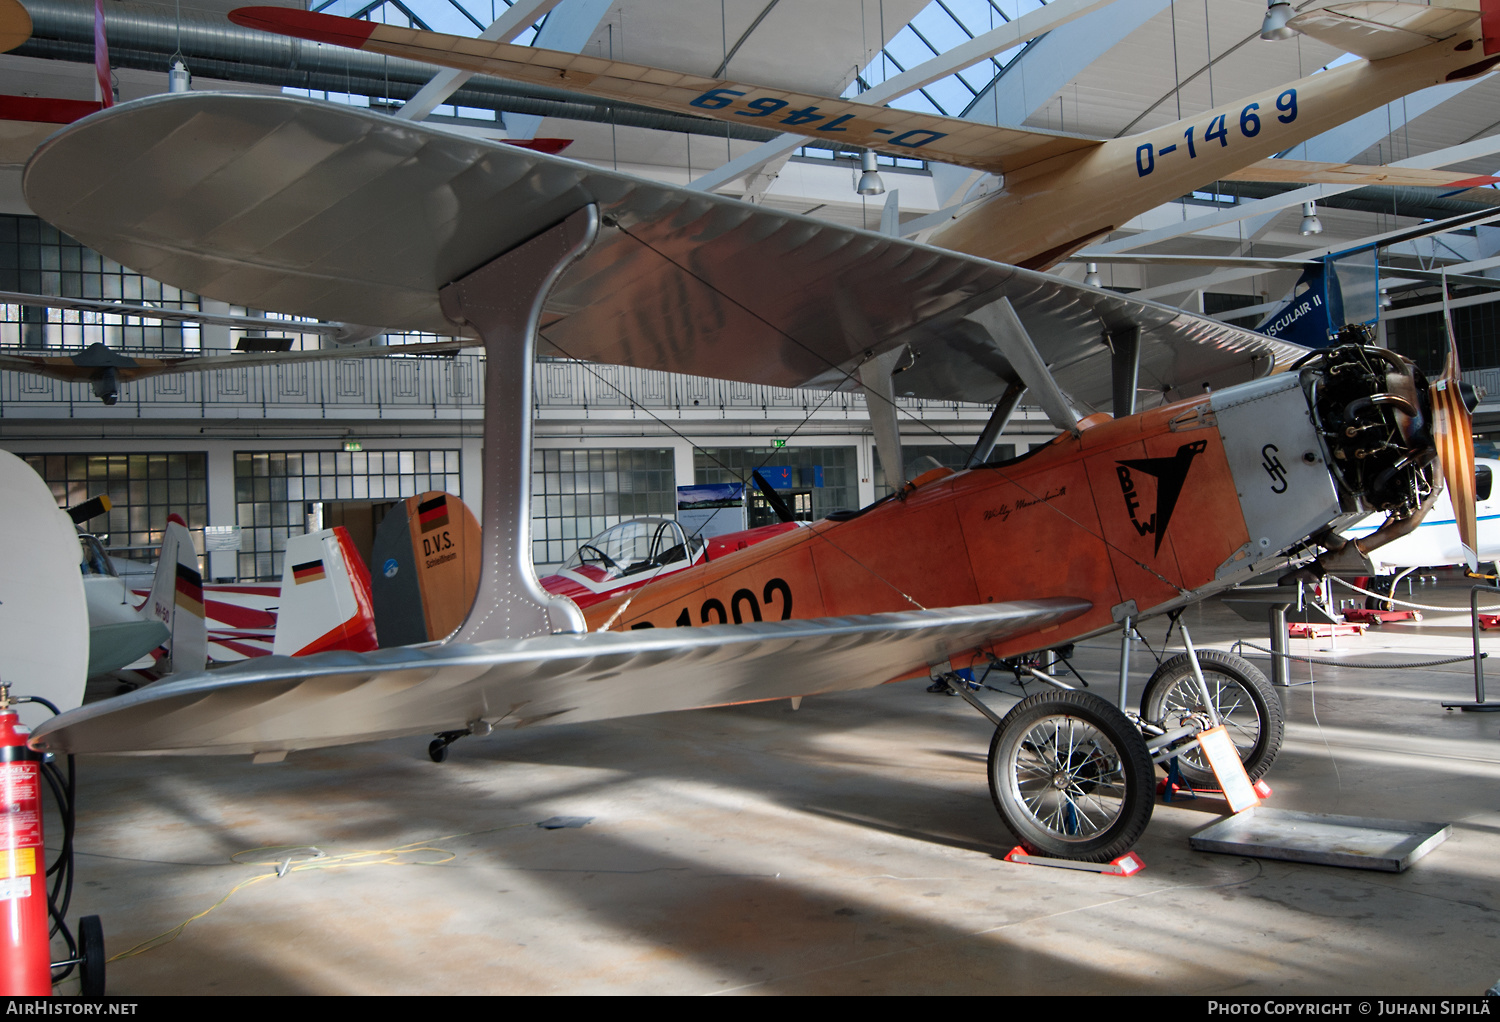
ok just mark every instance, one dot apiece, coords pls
pixel 1091 274
pixel 1310 222
pixel 869 180
pixel 1274 27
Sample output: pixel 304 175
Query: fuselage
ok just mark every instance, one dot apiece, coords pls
pixel 1093 516
pixel 1050 209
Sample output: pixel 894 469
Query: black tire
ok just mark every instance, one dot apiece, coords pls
pixel 1247 702
pixel 438 750
pixel 1071 777
pixel 91 953
pixel 1385 585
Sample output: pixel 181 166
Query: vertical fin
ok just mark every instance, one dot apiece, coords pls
pixel 1489 25
pixel 176 598
pixel 325 596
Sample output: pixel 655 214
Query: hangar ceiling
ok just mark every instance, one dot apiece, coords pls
pixel 1128 66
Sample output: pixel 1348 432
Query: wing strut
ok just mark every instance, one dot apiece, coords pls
pixel 1008 334
pixel 502 300
pixel 999 419
pixel 880 401
pixel 1125 366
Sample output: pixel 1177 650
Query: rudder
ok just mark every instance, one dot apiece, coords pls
pixel 325 596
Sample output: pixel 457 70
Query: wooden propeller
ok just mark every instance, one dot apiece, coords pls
pixel 1453 435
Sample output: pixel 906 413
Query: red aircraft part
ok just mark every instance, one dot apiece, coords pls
pixel 1089 515
pixel 571 581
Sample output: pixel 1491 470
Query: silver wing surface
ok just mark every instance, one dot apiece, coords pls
pixel 340 214
pixel 285 703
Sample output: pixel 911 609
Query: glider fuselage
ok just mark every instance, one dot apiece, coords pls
pixel 1050 209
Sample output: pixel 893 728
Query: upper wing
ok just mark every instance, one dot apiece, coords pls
pixel 282 703
pixel 898 132
pixel 1374 29
pixel 336 213
pixel 1313 172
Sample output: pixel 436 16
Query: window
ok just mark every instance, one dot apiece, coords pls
pixel 37 258
pixel 576 494
pixel 1423 339
pixel 919 459
pixel 143 489
pixel 814 481
pixel 273 488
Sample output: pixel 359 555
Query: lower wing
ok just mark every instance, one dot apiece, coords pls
pixel 277 704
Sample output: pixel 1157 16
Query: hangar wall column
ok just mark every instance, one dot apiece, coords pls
pixel 683 467
pixel 216 338
pixel 471 471
pixel 222 507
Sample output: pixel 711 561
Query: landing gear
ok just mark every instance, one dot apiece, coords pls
pixel 437 750
pixel 1071 776
pixel 1245 700
pixel 1385 585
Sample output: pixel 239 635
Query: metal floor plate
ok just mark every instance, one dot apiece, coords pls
pixel 1354 841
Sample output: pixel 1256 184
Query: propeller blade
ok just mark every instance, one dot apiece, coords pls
pixel 1453 434
pixel 91 508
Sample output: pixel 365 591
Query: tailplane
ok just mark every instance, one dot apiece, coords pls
pixel 176 598
pixel 325 596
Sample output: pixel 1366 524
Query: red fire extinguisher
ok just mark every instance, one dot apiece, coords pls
pixel 25 947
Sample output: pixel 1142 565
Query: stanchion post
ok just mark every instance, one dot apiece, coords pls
pixel 1280 673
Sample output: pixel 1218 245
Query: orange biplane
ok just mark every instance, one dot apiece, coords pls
pixel 346 215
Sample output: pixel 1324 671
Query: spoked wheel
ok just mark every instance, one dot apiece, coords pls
pixel 1246 701
pixel 1071 777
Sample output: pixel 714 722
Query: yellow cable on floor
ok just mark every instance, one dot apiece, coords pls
pixel 318 860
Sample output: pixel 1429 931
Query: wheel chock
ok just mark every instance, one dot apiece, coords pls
pixel 1126 865
pixel 1168 790
pixel 1311 630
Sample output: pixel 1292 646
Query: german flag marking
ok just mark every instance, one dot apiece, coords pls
pixel 308 571
pixel 189 590
pixel 433 514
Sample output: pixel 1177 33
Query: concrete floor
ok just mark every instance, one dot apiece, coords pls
pixel 847 847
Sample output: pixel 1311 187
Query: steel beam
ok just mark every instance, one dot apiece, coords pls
pixel 445 83
pixel 567 29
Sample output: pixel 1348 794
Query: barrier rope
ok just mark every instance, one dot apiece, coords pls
pixel 1242 644
pixel 1406 603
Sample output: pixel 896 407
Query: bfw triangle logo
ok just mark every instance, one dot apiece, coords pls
pixel 1170 474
